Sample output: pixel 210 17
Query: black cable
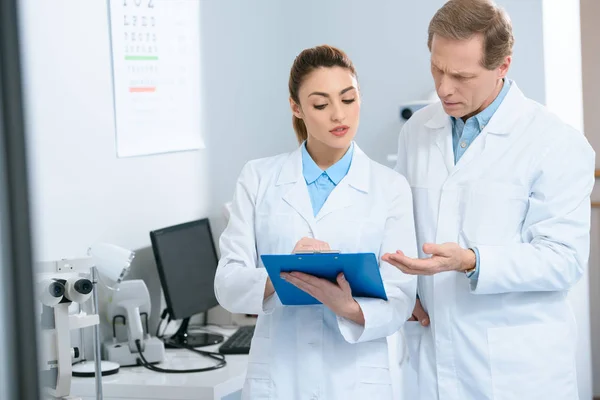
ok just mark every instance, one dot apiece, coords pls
pixel 145 314
pixel 215 356
pixel 113 324
pixel 158 328
pixel 143 362
pixel 125 323
pixel 163 315
pixel 162 335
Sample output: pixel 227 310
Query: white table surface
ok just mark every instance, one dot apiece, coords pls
pixel 140 383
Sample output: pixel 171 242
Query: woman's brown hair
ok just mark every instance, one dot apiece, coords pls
pixel 306 62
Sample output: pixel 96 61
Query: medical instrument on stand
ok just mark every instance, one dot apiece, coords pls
pixel 110 265
pixel 105 263
pixel 128 305
pixel 56 295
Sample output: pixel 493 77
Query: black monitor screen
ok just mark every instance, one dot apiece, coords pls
pixel 187 261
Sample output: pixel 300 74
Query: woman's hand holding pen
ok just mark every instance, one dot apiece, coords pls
pixel 310 244
pixel 304 244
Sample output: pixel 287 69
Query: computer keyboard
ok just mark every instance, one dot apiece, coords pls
pixel 239 342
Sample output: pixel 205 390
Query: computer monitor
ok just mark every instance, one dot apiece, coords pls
pixel 187 262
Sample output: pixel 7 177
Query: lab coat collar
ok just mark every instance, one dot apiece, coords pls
pixel 357 177
pixel 358 174
pixel 501 122
pixel 439 119
pixel 505 118
pixel 345 194
pixel 291 171
pixel 335 173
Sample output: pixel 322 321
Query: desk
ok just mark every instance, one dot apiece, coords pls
pixel 139 383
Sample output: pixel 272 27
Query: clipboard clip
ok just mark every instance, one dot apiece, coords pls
pixel 316 252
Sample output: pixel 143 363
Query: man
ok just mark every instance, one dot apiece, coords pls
pixel 502 206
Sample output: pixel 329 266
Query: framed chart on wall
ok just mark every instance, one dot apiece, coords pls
pixel 156 75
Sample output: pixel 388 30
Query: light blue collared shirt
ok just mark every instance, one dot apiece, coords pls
pixel 464 133
pixel 321 183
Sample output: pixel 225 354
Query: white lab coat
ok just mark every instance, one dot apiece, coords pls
pixel 307 352
pixel 521 195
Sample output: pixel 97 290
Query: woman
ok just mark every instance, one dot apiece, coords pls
pixel 326 194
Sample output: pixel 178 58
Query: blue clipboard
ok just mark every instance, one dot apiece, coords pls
pixel 360 269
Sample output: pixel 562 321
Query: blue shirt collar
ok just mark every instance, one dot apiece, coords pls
pixel 336 172
pixel 486 114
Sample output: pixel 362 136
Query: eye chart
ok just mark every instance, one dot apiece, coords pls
pixel 156 75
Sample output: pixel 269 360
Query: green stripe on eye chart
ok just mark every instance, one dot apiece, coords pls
pixel 141 58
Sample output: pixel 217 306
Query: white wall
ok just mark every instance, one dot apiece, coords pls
pixel 590 43
pixel 81 193
pixel 590 52
pixel 562 64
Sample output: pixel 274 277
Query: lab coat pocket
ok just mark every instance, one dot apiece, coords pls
pixel 372 391
pixel 258 384
pixel 493 213
pixel 413 334
pixel 533 362
pixel 374 380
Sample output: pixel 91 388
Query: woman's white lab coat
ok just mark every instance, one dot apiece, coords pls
pixel 307 352
pixel 521 195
